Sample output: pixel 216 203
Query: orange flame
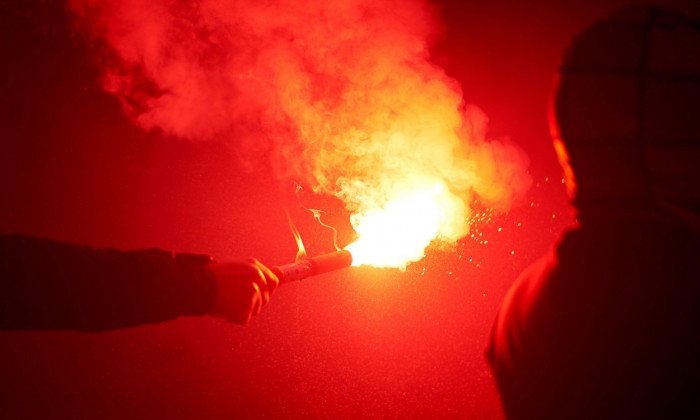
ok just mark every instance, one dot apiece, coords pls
pixel 301 250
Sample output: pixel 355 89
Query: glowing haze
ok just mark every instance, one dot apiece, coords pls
pixel 340 95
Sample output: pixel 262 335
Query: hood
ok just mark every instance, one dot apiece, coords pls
pixel 626 115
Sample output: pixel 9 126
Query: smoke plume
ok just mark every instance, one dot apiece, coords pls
pixel 338 94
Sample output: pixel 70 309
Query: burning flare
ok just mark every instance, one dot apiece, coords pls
pixel 398 234
pixel 340 95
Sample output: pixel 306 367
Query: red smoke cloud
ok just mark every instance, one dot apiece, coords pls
pixel 339 94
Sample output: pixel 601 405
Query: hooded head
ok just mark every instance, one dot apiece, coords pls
pixel 626 115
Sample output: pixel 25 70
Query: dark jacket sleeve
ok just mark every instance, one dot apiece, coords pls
pixel 52 285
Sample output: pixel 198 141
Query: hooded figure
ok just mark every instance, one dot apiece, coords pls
pixel 607 325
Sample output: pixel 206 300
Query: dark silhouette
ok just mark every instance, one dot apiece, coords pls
pixel 606 326
pixel 49 284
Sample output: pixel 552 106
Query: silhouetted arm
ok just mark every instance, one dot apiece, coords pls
pixel 46 284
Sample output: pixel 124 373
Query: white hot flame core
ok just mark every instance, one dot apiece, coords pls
pixel 398 233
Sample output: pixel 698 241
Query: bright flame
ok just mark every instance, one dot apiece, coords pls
pixel 398 233
pixel 301 250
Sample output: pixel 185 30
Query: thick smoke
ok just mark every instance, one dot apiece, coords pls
pixel 338 94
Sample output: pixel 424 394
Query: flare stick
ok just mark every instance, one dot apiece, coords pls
pixel 313 266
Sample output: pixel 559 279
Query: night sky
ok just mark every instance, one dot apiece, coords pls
pixel 357 343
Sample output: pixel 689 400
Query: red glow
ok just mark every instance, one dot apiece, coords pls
pixel 358 343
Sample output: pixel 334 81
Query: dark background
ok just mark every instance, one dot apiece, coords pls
pixel 359 343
